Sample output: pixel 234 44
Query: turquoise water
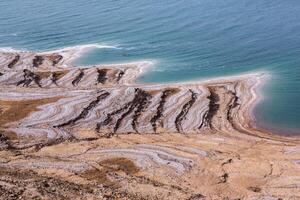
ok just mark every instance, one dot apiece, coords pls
pixel 193 39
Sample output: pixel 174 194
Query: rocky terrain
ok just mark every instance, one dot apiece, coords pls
pixel 93 132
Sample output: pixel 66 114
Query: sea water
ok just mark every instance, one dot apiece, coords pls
pixel 187 40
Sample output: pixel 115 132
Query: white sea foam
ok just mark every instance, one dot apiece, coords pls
pixel 12 50
pixel 75 52
pixel 77 48
pixel 87 47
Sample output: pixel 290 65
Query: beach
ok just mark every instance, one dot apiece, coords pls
pixel 96 132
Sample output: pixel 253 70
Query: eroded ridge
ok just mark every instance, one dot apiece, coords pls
pixel 136 106
pixel 185 109
pixel 213 108
pixel 28 78
pixel 91 132
pixel 160 109
pixel 101 76
pixel 14 61
pixel 85 111
pixel 78 78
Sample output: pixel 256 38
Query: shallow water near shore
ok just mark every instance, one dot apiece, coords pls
pixel 188 41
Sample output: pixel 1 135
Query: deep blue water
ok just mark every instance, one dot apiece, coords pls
pixel 192 39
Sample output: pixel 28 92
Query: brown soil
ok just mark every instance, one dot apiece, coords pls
pixel 112 165
pixel 60 74
pixel 11 111
pixel 43 75
pixel 120 164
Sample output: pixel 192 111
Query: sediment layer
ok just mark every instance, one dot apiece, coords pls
pixel 92 132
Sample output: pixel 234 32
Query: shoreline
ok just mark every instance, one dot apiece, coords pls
pixel 70 54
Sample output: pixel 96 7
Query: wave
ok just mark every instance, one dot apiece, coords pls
pixel 78 48
pixel 12 50
pixel 85 47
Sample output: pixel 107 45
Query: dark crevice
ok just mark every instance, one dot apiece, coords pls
pixel 5 143
pixel 120 75
pixel 227 162
pixel 141 97
pixel 213 108
pixel 139 102
pixel 57 141
pixel 185 109
pixel 234 103
pixel 203 121
pixel 224 178
pixel 14 61
pixel 56 58
pixel 144 101
pixel 109 116
pixel 85 111
pixel 118 123
pixel 160 108
pixel 78 78
pixel 54 78
pixel 196 197
pixel 29 77
pixel 101 78
pixel 1 74
pixel 37 61
pixel 254 189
